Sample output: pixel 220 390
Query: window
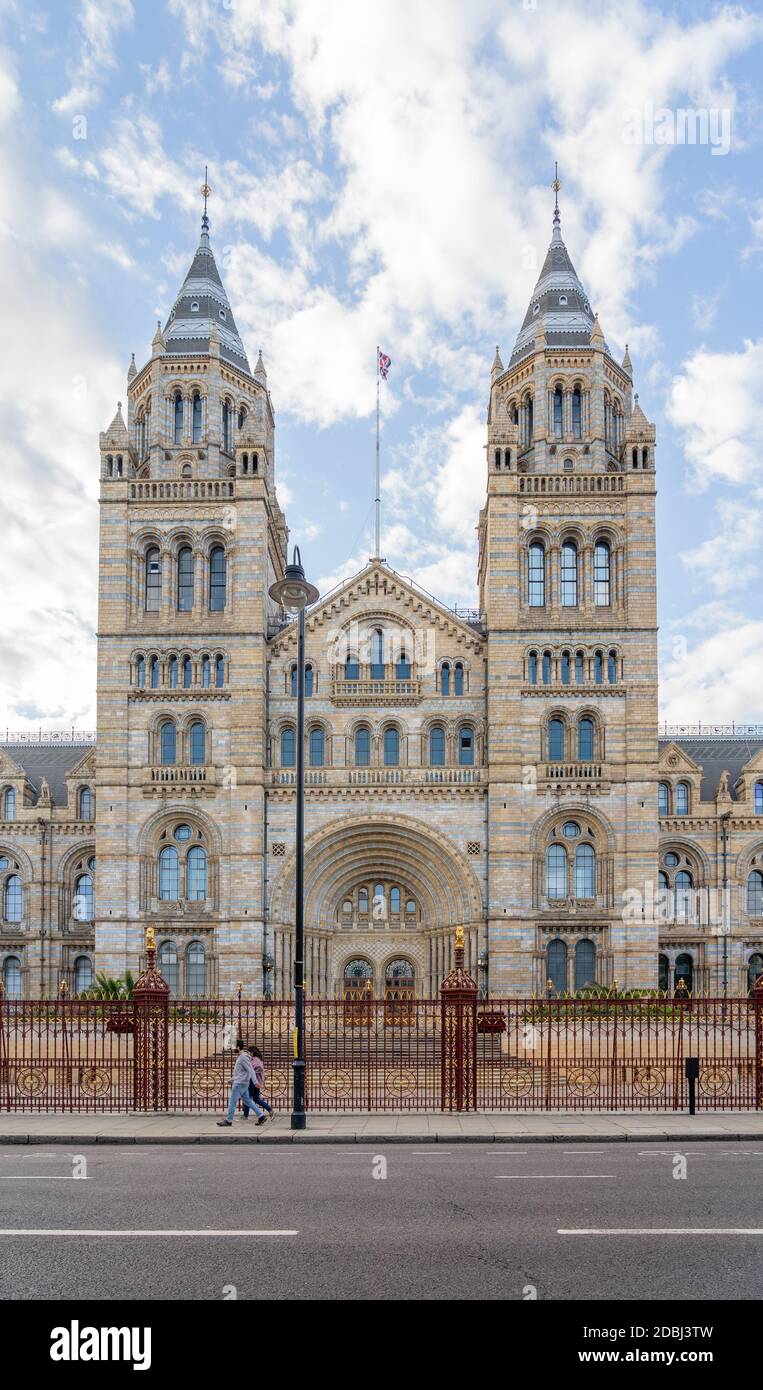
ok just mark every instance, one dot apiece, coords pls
pixel 141 672
pixel 173 669
pixel 362 746
pixel 579 668
pixel 571 830
pixel 168 965
pixel 377 655
pixel 410 906
pixel 403 668
pixel 663 973
pixel 556 966
pixel 83 974
pixel 585 872
pixel 546 669
pixel 458 678
pixel 585 964
pixel 218 582
pixel 663 799
pixel 187 672
pixel 569 574
pixel 154 673
pixel 206 672
pixel 684 971
pixel 576 414
pixel 196 874
pixel 558 402
pixel 585 741
pixel 598 668
pixel 13 899
pixel 755 894
pixel 195 970
pixel 532 668
pixel 394 900
pixel 351 669
pixel 169 874
pixel 445 678
pixel 9 804
pixel 185 579
pixel 612 668
pixel 536 575
pixel 196 418
pixel 178 418
pixel 219 672
pixel 556 741
pixel 529 415
pixel 308 681
pixel 12 977
pixel 153 580
pixel 754 970
pixel 556 872
pixel 682 799
pixel 466 747
pixel 288 748
pixel 601 567
pixel 241 418
pixel 565 668
pixel 83 907
pixel 437 746
pixel 758 798
pixel 317 743
pixel 363 900
pixel 226 426
pixel 167 743
pixel 391 747
pixel 684 885
pixel 196 742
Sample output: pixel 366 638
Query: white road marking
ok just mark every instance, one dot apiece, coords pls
pixel 547 1177
pixel 118 1235
pixel 30 1156
pixel 41 1177
pixel 663 1231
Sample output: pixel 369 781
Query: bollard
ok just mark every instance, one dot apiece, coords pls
pixel 692 1072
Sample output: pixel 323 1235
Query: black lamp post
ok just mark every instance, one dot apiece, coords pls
pixel 294 593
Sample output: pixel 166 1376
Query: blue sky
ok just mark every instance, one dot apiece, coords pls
pixel 381 174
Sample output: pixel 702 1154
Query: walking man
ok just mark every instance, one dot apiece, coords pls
pixel 243 1074
pixel 255 1089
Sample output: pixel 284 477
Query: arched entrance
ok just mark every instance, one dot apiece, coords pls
pixel 399 980
pixel 556 964
pixel 684 970
pixel 358 979
pixel 754 970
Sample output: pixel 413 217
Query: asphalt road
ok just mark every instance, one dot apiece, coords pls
pixel 469 1221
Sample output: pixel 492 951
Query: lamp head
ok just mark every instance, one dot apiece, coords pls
pixel 294 592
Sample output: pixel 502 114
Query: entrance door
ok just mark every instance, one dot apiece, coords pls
pixel 358 979
pixel 399 981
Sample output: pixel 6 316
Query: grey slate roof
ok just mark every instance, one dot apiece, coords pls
pixel 715 754
pixel 187 329
pixel 563 308
pixel 51 760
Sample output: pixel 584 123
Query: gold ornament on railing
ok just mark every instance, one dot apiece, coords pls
pixel 459 938
pixel 150 939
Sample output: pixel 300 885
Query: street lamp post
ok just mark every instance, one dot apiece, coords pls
pixel 725 908
pixel 294 592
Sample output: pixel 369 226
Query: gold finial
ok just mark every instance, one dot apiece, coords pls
pixel 150 939
pixel 615 986
pixel 459 938
pixel 368 986
pixel 205 193
pixel 549 984
pixel 556 185
pixel 63 989
pixel 240 986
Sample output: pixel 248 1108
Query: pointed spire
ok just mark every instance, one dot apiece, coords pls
pixel 157 342
pixel 497 366
pixel 556 235
pixel 627 364
pixel 116 435
pixel 132 370
pixel 597 337
pixel 259 373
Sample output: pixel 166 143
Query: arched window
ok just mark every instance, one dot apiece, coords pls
pixel 178 418
pixel 576 414
pixel 169 875
pixel 226 426
pixel 684 894
pixel 536 575
pixel 197 744
pixel 13 899
pixel 196 418
pixel 579 668
pixel 83 907
pixel 612 668
pixel 556 966
pixel 168 965
pixel 173 671
pixel 317 745
pixel 167 743
pixel 556 871
pixel 288 748
pixel 153 580
pixel 755 894
pixel 380 903
pixel 598 668
pixel 377 655
pixel 546 668
pixel 458 678
pixel 437 746
pixel 351 668
pixel 403 667
pixel 195 970
pixel 585 741
pixel 532 668
pixel 754 970
pixel 529 418
pixel 663 973
pixel 83 974
pixel 206 672
pixel 363 900
pixel 558 402
pixel 684 971
pixel 466 747
pixel 682 799
pixel 185 579
pixel 556 741
pixel 391 747
pixel 585 872
pixel 308 681
pixel 569 572
pixel 601 567
pixel 362 746
pixel 12 977
pixel 219 672
pixel 585 964
pixel 153 673
pixel 663 799
pixel 141 672
pixel 394 901
pixel 664 906
pixel 9 803
pixel 187 672
pixel 758 799
pixel 445 678
pixel 565 668
pixel 196 874
pixel 218 583
pixel 86 804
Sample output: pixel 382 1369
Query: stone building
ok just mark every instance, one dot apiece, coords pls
pixel 498 770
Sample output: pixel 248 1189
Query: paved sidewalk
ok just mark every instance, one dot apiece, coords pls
pixel 384 1128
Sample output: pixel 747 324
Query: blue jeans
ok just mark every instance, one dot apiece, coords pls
pixel 254 1092
pixel 239 1092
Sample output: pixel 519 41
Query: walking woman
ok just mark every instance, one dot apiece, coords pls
pixel 258 1063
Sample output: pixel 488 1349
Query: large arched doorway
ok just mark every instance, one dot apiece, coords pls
pixel 754 970
pixel 684 970
pixel 358 979
pixel 399 980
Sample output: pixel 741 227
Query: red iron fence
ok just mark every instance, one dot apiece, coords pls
pixel 456 1052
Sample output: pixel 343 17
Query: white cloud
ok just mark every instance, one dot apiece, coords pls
pixel 718 680
pixel 704 309
pixel 729 561
pixel 99 22
pixel 716 402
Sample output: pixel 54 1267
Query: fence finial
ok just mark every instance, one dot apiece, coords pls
pixel 63 989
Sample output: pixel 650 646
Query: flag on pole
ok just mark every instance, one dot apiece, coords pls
pixel 385 363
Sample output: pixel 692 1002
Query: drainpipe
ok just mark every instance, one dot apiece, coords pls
pixel 265 884
pixel 484 961
pixel 725 818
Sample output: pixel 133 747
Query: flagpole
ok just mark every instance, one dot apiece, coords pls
pixel 377 499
